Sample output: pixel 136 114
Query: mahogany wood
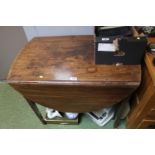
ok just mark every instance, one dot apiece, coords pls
pixel 60 73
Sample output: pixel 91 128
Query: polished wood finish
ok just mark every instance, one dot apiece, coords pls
pixel 60 73
pixel 142 113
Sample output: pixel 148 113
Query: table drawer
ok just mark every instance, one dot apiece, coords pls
pixel 146 123
pixel 151 115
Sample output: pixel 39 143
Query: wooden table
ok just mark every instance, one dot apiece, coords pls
pixel 60 73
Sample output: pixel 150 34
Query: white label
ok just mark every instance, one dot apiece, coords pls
pixel 73 78
pixel 107 47
pixel 105 39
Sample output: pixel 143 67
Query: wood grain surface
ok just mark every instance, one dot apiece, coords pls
pixel 60 72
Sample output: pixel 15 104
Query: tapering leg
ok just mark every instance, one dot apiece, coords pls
pixel 36 110
pixel 119 112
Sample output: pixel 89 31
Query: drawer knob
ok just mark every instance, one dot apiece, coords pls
pixel 92 69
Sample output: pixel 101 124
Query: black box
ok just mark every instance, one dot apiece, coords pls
pixel 128 50
pixel 109 31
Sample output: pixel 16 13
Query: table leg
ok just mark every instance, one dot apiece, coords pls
pixel 119 112
pixel 36 110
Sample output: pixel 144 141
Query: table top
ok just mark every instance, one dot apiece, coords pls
pixel 67 59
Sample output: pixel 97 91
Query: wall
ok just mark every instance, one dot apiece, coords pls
pixel 12 39
pixel 32 31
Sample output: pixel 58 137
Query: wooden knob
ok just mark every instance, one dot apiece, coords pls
pixel 92 69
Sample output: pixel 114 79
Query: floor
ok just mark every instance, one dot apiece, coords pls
pixel 15 113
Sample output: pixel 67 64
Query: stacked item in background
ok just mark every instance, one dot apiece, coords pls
pixel 148 31
pixel 103 116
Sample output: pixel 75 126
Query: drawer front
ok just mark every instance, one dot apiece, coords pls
pixel 146 124
pixel 151 115
pixel 148 120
